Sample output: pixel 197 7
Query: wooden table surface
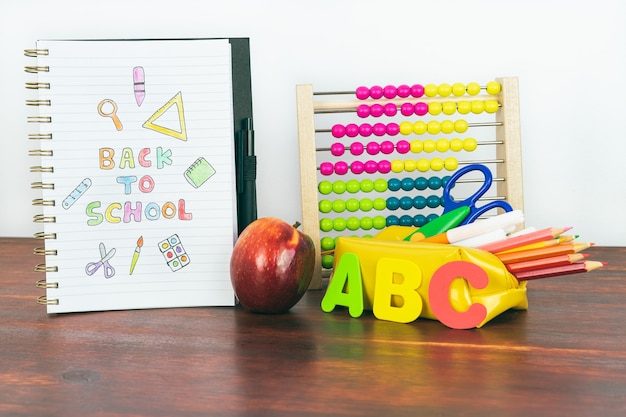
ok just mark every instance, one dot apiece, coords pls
pixel 565 356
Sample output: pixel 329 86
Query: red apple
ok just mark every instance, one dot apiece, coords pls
pixel 271 266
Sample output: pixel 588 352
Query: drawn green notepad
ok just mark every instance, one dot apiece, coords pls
pixel 199 172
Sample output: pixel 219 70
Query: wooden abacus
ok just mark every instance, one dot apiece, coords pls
pixel 399 112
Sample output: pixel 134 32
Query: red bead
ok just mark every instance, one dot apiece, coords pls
pixel 363 110
pixel 352 130
pixel 371 167
pixel 384 166
pixel 365 129
pixel 356 148
pixel 372 148
pixel 362 93
pixel 403 146
pixel 338 131
pixel 387 147
pixel 390 91
pixel 403 91
pixel 421 108
pixel 326 168
pixel 393 129
pixel 380 129
pixel 341 168
pixel 377 110
pixel 337 149
pixel 417 90
pixel 390 109
pixel 407 109
pixel 376 92
pixel 357 167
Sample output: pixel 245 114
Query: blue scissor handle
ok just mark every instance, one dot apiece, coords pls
pixel 450 204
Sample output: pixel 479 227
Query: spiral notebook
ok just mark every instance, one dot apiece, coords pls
pixel 137 163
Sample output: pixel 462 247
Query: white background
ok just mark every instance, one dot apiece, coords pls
pixel 570 57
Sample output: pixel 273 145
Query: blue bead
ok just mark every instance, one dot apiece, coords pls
pixel 419 202
pixel 434 183
pixel 393 203
pixel 431 217
pixel 393 220
pixel 394 184
pixel 406 203
pixel 407 184
pixel 406 220
pixel 433 201
pixel 421 183
pixel 419 220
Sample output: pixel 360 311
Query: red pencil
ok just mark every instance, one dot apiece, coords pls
pixel 546 262
pixel 574 268
pixel 529 255
pixel 525 239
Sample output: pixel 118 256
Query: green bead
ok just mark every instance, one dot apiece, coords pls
pixel 327 261
pixel 380 185
pixel 379 222
pixel 352 204
pixel 339 187
pixel 366 204
pixel 339 206
pixel 325 206
pixel 339 224
pixel 367 223
pixel 367 186
pixel 327 243
pixel 353 223
pixel 325 187
pixel 379 204
pixel 353 186
pixel 326 225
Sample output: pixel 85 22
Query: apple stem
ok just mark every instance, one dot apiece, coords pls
pixel 296 224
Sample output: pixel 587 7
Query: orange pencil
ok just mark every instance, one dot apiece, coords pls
pixel 525 239
pixel 546 262
pixel 555 271
pixel 543 243
pixel 529 255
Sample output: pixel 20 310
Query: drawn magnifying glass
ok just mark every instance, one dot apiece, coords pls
pixel 112 114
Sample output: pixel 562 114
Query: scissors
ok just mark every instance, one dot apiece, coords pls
pixel 92 267
pixel 450 204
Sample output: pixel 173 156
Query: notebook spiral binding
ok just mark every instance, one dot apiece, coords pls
pixel 40 185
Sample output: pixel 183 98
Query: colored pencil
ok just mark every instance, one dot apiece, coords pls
pixel 441 224
pixel 574 268
pixel 529 255
pixel 525 239
pixel 543 244
pixel 541 263
pixel 478 227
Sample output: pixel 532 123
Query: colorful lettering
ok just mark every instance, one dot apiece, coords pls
pixel 346 287
pixel 397 278
pixel 95 218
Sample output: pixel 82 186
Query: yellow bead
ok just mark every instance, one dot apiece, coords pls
pixel 434 127
pixel 464 107
pixel 460 126
pixel 478 106
pixel 470 144
pixel 410 165
pixel 449 107
pixel 417 146
pixel 429 145
pixel 443 145
pixel 451 164
pixel 458 89
pixel 406 128
pixel 419 128
pixel 447 126
pixel 491 106
pixel 436 164
pixel 430 90
pixel 473 89
pixel 423 165
pixel 445 90
pixel 456 145
pixel 493 87
pixel 434 109
pixel 397 165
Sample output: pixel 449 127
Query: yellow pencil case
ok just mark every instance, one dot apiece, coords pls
pixel 402 280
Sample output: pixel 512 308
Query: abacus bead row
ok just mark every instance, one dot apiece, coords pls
pixel 433 127
pixel 434 108
pixel 381 185
pixel 402 146
pixel 391 203
pixel 384 166
pixel 429 90
pixel 340 224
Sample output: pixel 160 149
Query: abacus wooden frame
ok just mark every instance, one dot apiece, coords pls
pixel 507 131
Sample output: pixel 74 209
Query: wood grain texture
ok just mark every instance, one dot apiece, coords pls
pixel 565 356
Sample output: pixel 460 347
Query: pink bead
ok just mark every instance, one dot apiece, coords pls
pixel 391 109
pixel 352 130
pixel 421 108
pixel 386 147
pixel 356 148
pixel 341 168
pixel 326 168
pixel 417 90
pixel 377 110
pixel 365 129
pixel 390 91
pixel 403 146
pixel 362 93
pixel 363 110
pixel 372 148
pixel 407 109
pixel 337 149
pixel 380 129
pixel 376 92
pixel 403 91
pixel 371 167
pixel 384 166
pixel 357 167
pixel 338 131
pixel 393 129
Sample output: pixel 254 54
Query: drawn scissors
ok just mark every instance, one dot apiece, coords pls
pixel 92 267
pixel 450 204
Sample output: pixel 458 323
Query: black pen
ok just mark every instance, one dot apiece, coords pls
pixel 247 206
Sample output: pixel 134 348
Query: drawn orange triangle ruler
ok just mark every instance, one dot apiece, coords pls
pixel 182 133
